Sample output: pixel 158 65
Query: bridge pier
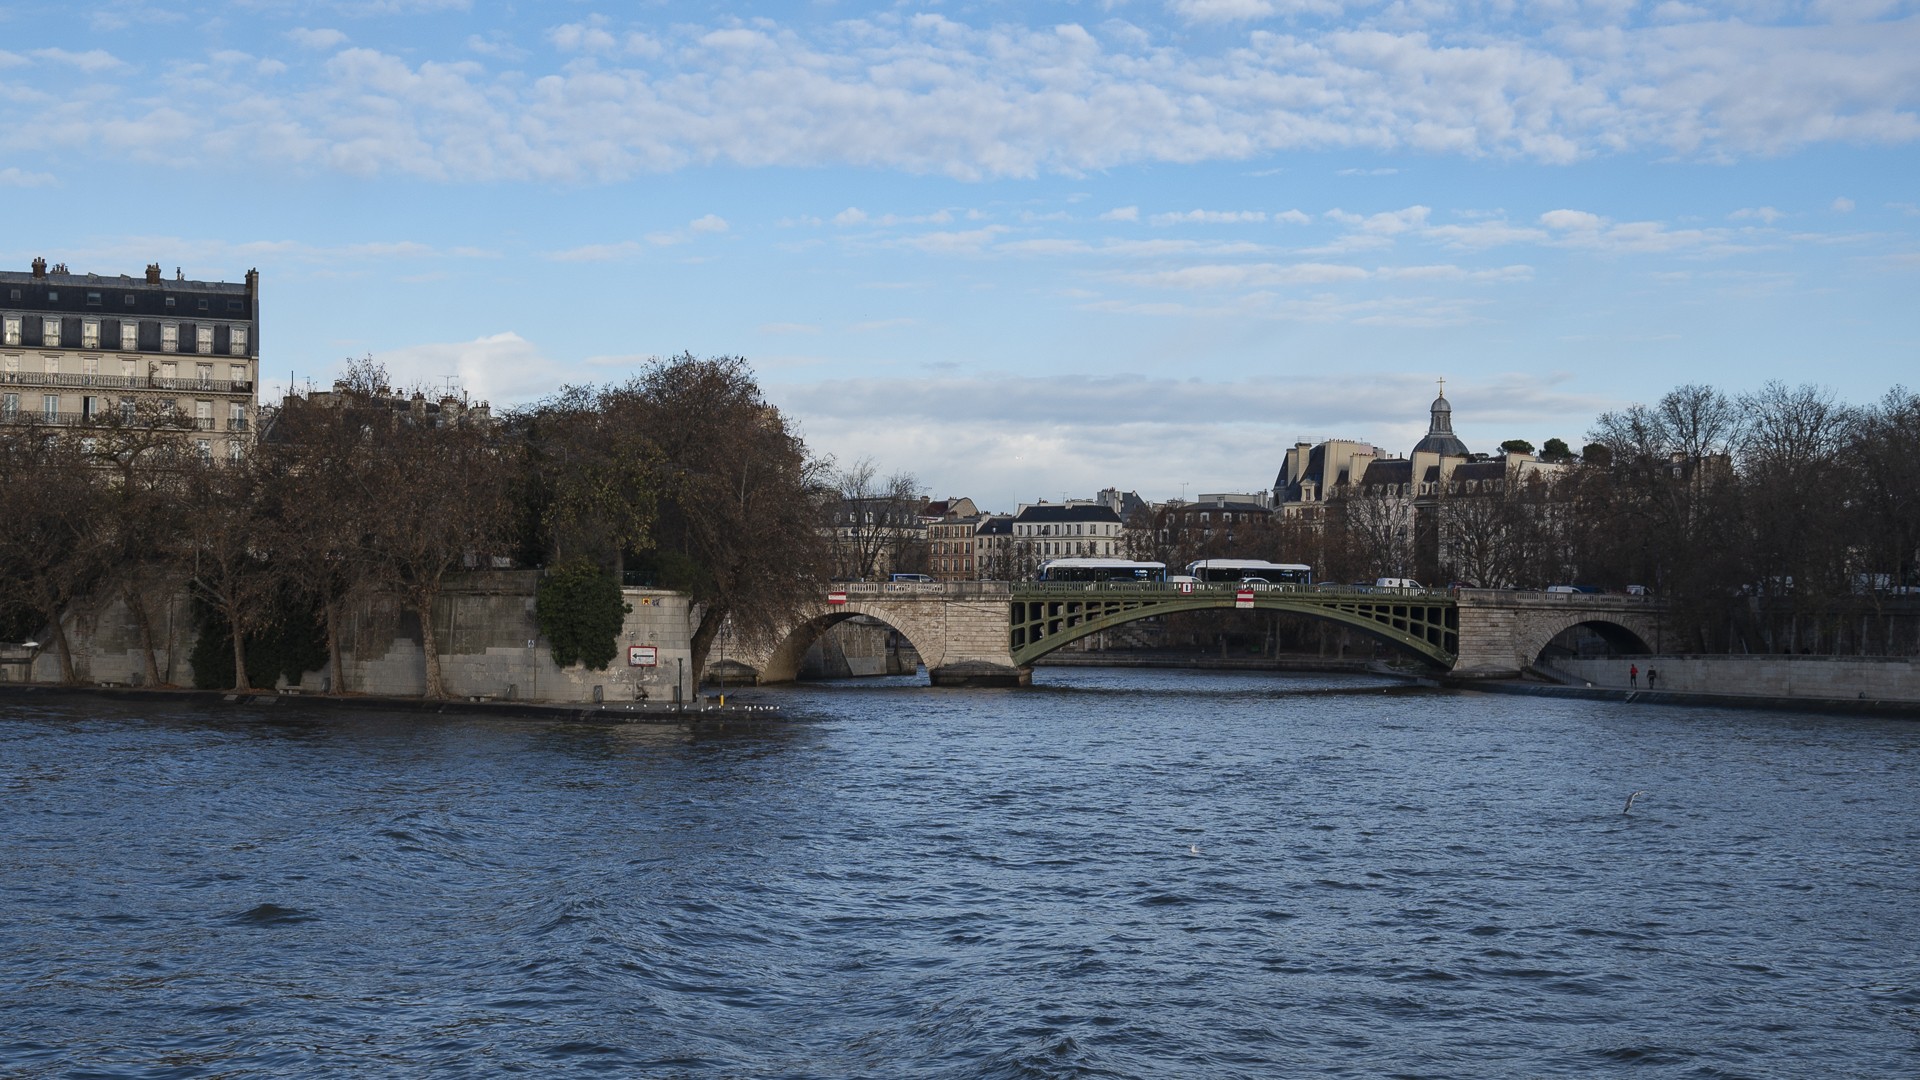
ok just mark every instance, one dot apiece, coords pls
pixel 974 673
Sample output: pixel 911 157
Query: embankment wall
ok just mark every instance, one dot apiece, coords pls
pixel 490 648
pixel 1766 676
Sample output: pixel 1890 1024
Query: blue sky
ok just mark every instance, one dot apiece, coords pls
pixel 1021 250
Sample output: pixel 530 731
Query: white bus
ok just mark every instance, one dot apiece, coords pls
pixel 1100 570
pixel 1272 573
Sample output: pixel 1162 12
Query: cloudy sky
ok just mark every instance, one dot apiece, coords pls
pixel 1021 250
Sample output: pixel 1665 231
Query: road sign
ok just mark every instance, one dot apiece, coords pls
pixel 1186 586
pixel 836 598
pixel 1243 598
pixel 643 656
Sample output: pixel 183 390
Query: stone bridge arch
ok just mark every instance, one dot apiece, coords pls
pixel 960 631
pixel 1502 633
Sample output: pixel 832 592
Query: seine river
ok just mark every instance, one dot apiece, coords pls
pixel 1113 874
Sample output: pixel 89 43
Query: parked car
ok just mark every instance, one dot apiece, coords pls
pixel 1638 590
pixel 913 577
pixel 1395 583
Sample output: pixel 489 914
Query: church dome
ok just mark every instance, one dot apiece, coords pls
pixel 1440 437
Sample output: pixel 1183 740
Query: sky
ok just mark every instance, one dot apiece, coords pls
pixel 1019 250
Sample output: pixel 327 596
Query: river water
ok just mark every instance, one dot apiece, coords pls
pixel 1111 874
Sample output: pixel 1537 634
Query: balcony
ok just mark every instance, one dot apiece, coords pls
pixel 126 382
pixel 105 418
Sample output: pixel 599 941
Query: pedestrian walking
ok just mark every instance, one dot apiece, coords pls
pixel 1633 676
pixel 1651 676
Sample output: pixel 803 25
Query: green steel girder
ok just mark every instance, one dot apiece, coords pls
pixel 1045 619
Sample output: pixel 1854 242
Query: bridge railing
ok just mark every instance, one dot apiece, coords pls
pixel 969 590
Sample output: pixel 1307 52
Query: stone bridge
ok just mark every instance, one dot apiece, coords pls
pixel 990 633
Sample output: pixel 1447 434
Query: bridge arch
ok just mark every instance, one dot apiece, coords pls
pixel 922 624
pixel 1506 632
pixel 1577 638
pixel 1425 627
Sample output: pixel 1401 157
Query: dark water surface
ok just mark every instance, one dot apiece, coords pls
pixel 1128 874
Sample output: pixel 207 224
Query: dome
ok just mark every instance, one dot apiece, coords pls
pixel 1440 437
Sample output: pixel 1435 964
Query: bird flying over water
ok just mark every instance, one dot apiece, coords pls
pixel 1630 799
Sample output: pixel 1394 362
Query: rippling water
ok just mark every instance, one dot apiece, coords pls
pixel 1118 873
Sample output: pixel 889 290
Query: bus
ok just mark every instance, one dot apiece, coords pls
pixel 1272 573
pixel 1100 570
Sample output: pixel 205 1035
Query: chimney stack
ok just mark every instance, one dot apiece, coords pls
pixel 39 268
pixel 153 273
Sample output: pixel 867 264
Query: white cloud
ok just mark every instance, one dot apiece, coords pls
pixel 1122 213
pixel 1571 219
pixel 1756 213
pixel 502 368
pixel 13 176
pixel 710 223
pixel 93 61
pixel 582 37
pixel 624 249
pixel 1222 10
pixel 1209 217
pixel 938 96
pixel 316 38
pixel 852 215
pixel 1843 205
pixel 1246 275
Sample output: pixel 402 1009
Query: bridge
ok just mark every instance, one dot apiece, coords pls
pixel 990 633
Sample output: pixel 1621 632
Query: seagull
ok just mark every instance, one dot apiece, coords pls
pixel 1193 849
pixel 1630 799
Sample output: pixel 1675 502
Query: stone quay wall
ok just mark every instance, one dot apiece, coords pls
pixel 1831 678
pixel 490 648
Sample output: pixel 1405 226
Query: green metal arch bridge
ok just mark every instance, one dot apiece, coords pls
pixel 1045 616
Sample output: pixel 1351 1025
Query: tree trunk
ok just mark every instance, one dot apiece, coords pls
pixel 423 607
pixel 66 651
pixel 334 663
pixel 239 654
pixel 137 607
pixel 711 619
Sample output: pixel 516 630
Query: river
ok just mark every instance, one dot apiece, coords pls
pixel 1114 873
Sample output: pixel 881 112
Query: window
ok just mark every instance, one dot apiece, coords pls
pixel 53 365
pixel 129 336
pixel 169 337
pixel 237 340
pixel 126 409
pixel 50 333
pixel 90 334
pixel 233 305
pixel 236 417
pixel 10 405
pixel 12 330
pixel 203 340
pixel 89 407
pixel 13 364
pixel 204 372
pixel 205 448
pixel 203 303
pixel 237 372
pixel 15 294
pixel 203 415
pixel 50 407
pixel 52 295
pixel 93 299
pixel 128 368
pixel 168 369
pixel 233 451
pixel 127 299
pixel 90 365
pixel 169 303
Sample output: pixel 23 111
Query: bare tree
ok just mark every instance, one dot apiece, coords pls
pixel 229 568
pixel 875 523
pixel 445 506
pixel 53 533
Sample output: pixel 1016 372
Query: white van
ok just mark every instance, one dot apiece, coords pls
pixel 1395 583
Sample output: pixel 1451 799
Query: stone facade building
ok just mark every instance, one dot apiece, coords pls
pixel 84 349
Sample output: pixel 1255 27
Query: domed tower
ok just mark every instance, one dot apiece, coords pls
pixel 1440 437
